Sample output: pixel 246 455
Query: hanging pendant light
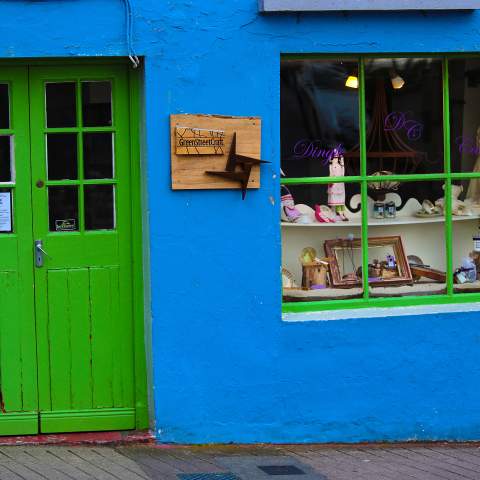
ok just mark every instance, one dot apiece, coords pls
pixel 397 81
pixel 352 81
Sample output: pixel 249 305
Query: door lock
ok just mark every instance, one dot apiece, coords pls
pixel 40 254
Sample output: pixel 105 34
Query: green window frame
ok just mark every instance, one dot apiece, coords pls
pixel 450 297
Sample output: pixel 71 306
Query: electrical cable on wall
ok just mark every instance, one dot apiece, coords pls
pixel 129 27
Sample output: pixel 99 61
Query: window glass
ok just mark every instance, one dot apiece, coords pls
pixel 61 104
pixel 4 106
pixel 464 90
pixel 404 115
pixel 409 196
pixel 466 241
pixel 62 156
pixel 99 207
pixel 98 155
pixel 319 114
pixel 97 104
pixel 406 239
pixel 321 239
pixel 464 81
pixel 5 159
pixel 63 208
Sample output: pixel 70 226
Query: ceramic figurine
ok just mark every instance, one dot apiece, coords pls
pixel 314 269
pixel 288 280
pixel 336 191
pixel 375 270
pixel 470 269
pixel 290 212
pixel 467 273
pixel 324 214
pixel 475 256
pixel 378 210
pixel 391 263
pixel 458 207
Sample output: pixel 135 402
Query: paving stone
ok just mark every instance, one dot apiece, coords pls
pixel 208 476
pixel 348 464
pixel 248 467
pixel 151 464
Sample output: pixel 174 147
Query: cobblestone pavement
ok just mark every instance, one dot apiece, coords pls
pixel 306 462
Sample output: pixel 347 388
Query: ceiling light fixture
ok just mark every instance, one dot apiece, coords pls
pixel 352 81
pixel 397 81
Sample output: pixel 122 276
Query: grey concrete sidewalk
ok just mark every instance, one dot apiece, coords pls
pixel 307 462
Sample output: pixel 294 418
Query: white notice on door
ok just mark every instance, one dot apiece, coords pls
pixel 5 212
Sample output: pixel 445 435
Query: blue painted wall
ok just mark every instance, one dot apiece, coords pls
pixel 225 366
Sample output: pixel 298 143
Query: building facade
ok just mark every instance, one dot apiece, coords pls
pixel 158 304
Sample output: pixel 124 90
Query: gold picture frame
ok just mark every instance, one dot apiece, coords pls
pixel 398 275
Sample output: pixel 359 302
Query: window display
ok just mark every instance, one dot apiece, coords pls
pixel 403 114
pixel 464 93
pixel 371 195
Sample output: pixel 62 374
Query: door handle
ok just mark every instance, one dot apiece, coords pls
pixel 40 254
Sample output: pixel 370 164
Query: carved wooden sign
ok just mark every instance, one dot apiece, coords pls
pixel 202 143
pixel 199 141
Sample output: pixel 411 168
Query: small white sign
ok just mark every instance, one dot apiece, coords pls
pixel 5 212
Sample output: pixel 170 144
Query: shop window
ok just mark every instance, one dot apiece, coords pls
pixel 380 190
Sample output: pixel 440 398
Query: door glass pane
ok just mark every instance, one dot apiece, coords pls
pixel 404 108
pixel 319 116
pixel 99 207
pixel 5 159
pixel 63 208
pixel 97 104
pixel 98 155
pixel 4 106
pixel 62 156
pixel 61 104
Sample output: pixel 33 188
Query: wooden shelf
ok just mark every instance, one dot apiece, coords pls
pixel 400 220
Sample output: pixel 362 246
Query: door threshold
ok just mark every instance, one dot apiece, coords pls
pixel 84 438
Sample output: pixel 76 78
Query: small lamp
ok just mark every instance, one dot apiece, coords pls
pixel 397 81
pixel 352 81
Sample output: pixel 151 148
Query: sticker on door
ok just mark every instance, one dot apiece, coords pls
pixel 66 225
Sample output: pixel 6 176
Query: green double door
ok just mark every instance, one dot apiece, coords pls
pixel 66 321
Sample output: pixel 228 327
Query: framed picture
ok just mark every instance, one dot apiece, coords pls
pixel 387 262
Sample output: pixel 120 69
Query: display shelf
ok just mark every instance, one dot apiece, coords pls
pixel 423 237
pixel 405 214
pixel 400 220
pixel 416 289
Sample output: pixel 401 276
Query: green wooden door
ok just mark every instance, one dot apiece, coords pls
pixel 18 371
pixel 81 205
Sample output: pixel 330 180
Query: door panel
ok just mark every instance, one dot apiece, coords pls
pixel 18 380
pixel 82 214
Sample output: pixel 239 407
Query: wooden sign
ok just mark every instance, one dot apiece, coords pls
pixel 198 141
pixel 189 169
